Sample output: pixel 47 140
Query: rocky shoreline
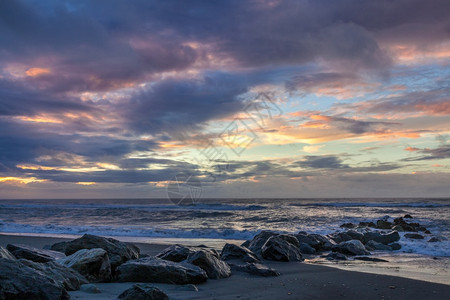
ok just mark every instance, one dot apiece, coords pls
pixel 31 273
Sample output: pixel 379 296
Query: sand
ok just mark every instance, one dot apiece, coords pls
pixel 298 281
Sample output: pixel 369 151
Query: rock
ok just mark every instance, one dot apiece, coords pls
pixel 395 246
pixel 118 252
pixel 325 243
pixel 92 263
pixel 214 267
pixel 374 259
pixel 367 224
pixel 348 225
pixel 90 288
pixel 177 253
pixel 34 254
pixel 66 278
pixel 231 251
pixel 245 244
pixel 398 221
pixel 427 232
pixel 381 238
pixel 372 245
pixel 18 281
pixel 353 247
pixel 355 235
pixel 259 240
pixel 407 216
pixel 414 236
pixel 339 237
pixel 306 249
pixel 398 228
pixel 335 256
pixel 290 239
pixel 382 224
pixel 143 292
pixel 162 271
pixel 255 269
pixel 434 240
pixel 278 249
pixel 421 228
pixel 4 253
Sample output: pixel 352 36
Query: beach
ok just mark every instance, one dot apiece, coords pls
pixel 298 280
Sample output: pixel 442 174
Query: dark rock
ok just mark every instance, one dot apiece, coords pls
pixel 177 253
pixel 414 236
pixel 398 221
pixel 259 240
pixel 143 292
pixel 255 269
pixel 395 246
pixel 398 228
pixel 231 251
pixel 90 289
pixel 161 271
pixel 382 224
pixel 339 237
pixel 381 238
pixel 421 228
pixel 92 263
pixel 245 244
pixel 118 252
pixel 279 249
pixel 34 254
pixel 374 259
pixel 18 281
pixel 355 235
pixel 325 242
pixel 407 216
pixel 434 240
pixel 367 224
pixel 335 256
pixel 214 267
pixel 427 232
pixel 306 249
pixel 372 245
pixel 348 225
pixel 353 247
pixel 290 239
pixel 4 253
pixel 308 239
pixel 66 278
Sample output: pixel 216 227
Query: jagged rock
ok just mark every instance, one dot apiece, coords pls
pixel 159 270
pixel 179 253
pixel 118 252
pixel 231 251
pixel 306 249
pixel 325 242
pixel 372 245
pixel 34 254
pixel 259 240
pixel 374 259
pixel 214 267
pixel 382 224
pixel 290 239
pixel 353 247
pixel 143 292
pixel 245 244
pixel 355 235
pixel 92 263
pixel 4 253
pixel 339 237
pixel 66 278
pixel 335 256
pixel 348 225
pixel 395 246
pixel 279 249
pixel 434 240
pixel 90 289
pixel 18 281
pixel 255 269
pixel 308 239
pixel 407 216
pixel 367 224
pixel 414 236
pixel 381 238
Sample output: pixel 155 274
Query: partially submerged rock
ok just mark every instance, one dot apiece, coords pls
pixel 159 270
pixel 352 247
pixel 231 251
pixel 279 249
pixel 90 289
pixel 434 240
pixel 143 292
pixel 414 236
pixel 259 240
pixel 372 245
pixel 255 269
pixel 335 256
pixel 381 238
pixel 34 254
pixel 92 263
pixel 214 267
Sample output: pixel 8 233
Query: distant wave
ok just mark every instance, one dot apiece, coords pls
pixel 372 204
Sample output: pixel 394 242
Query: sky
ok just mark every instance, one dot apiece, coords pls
pixel 323 98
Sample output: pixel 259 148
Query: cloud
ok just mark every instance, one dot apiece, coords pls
pixel 441 152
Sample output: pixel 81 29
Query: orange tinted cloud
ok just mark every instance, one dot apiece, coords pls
pixel 411 149
pixel 33 72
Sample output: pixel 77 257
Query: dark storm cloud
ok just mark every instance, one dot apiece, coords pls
pixel 322 162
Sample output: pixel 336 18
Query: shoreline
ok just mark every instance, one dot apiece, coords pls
pixel 298 280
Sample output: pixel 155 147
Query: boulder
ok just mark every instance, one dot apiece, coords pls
pixel 335 256
pixel 92 263
pixel 381 238
pixel 414 236
pixel 398 228
pixel 214 267
pixel 306 249
pixel 118 252
pixel 231 251
pixel 161 271
pixel 259 240
pixel 143 292
pixel 348 225
pixel 352 247
pixel 34 254
pixel 4 253
pixel 18 281
pixel 372 245
pixel 355 235
pixel 407 216
pixel 382 224
pixel 177 253
pixel 395 246
pixel 309 239
pixel 374 259
pixel 367 224
pixel 278 249
pixel 90 289
pixel 245 244
pixel 434 240
pixel 255 269
pixel 325 243
pixel 66 278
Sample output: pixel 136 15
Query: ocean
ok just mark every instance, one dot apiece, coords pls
pixel 214 221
